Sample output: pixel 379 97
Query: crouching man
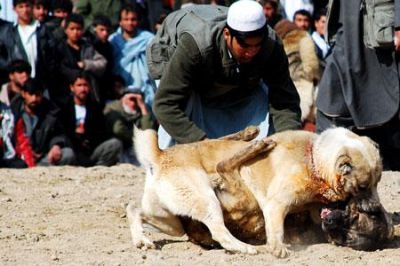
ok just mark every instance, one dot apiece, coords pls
pixel 39 134
pixel 85 126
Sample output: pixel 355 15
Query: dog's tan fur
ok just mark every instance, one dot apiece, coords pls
pixel 201 181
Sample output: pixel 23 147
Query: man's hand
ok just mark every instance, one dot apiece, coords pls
pixel 81 64
pixel 54 154
pixel 134 101
pixel 397 40
pixel 141 104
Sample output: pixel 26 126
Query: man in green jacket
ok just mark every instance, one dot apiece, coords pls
pixel 223 76
pixel 122 114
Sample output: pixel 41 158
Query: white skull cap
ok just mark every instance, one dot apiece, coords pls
pixel 246 15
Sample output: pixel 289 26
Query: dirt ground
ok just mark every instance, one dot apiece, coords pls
pixel 76 216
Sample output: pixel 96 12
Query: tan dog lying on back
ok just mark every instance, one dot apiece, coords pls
pixel 214 182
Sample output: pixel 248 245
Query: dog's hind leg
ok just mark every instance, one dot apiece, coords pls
pixel 196 199
pixel 247 134
pixel 227 169
pixel 211 215
pixel 221 234
pixel 246 154
pixel 156 217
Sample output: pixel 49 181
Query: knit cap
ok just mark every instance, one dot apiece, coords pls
pixel 246 16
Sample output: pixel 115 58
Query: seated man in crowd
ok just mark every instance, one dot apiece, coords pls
pixel 39 134
pixel 18 73
pixel 8 158
pixel 121 115
pixel 85 126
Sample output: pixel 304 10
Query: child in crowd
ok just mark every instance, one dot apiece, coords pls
pixel 60 9
pixel 77 55
pixel 98 35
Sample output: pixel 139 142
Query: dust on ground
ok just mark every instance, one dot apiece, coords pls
pixel 76 216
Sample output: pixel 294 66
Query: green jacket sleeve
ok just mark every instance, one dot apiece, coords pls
pixel 174 92
pixel 121 131
pixel 284 101
pixel 146 122
pixel 83 7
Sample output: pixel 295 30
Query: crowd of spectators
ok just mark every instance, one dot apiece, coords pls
pixel 74 79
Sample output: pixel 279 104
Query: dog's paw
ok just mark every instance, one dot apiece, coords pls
pixel 241 248
pixel 251 250
pixel 368 205
pixel 263 249
pixel 250 132
pixel 144 244
pixel 268 144
pixel 278 250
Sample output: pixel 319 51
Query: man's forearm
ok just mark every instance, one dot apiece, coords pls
pixel 285 119
pixel 177 124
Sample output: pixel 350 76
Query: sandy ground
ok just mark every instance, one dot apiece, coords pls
pixel 76 216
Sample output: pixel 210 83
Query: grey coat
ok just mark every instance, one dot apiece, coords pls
pixel 358 82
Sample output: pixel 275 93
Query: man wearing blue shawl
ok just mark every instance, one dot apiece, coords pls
pixel 129 49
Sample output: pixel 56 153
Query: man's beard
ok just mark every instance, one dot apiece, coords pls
pixel 82 97
pixel 34 106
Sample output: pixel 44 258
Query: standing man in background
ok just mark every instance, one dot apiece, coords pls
pixel 32 42
pixel 129 51
pixel 360 87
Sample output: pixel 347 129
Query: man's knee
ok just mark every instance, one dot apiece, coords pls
pixel 108 153
pixel 67 157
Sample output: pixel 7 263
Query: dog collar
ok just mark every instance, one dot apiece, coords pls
pixel 325 193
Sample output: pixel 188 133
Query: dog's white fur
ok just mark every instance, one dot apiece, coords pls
pixel 183 181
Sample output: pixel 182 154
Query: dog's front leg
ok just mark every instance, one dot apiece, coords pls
pixel 226 168
pixel 275 214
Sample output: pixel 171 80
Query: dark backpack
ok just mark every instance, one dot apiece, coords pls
pixel 378 23
pixel 202 22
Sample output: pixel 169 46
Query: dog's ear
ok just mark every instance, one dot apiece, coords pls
pixel 344 165
pixel 345 168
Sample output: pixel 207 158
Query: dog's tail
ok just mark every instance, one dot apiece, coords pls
pixel 146 146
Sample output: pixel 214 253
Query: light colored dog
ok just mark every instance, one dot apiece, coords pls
pixel 231 184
